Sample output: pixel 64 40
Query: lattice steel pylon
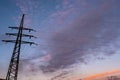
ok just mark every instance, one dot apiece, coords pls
pixel 14 63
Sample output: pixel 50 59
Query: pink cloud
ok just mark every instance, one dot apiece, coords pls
pixel 46 58
pixel 28 7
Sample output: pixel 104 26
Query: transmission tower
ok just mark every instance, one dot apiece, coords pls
pixel 14 63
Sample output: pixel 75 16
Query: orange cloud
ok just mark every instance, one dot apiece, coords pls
pixel 101 75
pixel 92 77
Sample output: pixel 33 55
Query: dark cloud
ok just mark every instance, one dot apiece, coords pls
pixel 91 31
pixel 60 76
pixel 87 35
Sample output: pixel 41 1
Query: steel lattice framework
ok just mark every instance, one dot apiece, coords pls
pixel 14 63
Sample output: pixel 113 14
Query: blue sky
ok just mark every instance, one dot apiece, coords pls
pixel 72 34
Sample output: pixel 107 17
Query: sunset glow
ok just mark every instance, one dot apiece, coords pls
pixel 76 39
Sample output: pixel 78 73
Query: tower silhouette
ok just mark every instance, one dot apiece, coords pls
pixel 14 62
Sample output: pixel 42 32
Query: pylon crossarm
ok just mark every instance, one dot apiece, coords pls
pixel 22 42
pixel 26 42
pixel 23 35
pixel 29 29
pixel 13 41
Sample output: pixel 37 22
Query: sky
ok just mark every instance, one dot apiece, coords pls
pixel 77 39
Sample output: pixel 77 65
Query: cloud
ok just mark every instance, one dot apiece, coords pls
pixel 28 7
pixel 102 75
pixel 60 76
pixel 70 45
pixel 89 34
